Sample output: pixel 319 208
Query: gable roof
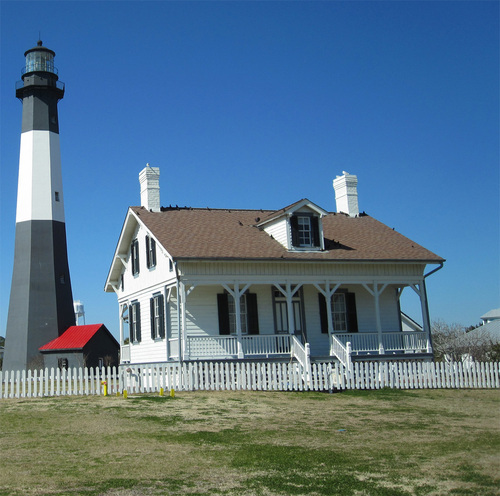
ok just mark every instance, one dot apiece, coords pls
pixel 74 338
pixel 235 234
pixel 187 233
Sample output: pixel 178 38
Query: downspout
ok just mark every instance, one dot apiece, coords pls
pixel 427 300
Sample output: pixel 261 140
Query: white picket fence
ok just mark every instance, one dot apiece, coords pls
pixel 264 376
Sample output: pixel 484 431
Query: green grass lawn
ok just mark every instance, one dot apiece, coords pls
pixel 387 442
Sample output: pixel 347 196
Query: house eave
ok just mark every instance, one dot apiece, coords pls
pixel 308 260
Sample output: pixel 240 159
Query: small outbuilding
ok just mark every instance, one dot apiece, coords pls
pixel 82 346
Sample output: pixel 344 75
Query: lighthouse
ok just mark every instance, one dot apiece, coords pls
pixel 41 300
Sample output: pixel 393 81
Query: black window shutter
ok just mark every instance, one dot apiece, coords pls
pixel 252 313
pixel 352 318
pixel 315 231
pixel 130 325
pixel 323 317
pixel 148 261
pixel 152 311
pixel 135 257
pixel 138 326
pixel 223 309
pixel 132 256
pixel 153 252
pixel 294 224
pixel 162 316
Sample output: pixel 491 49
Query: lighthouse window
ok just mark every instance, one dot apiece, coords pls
pixel 57 196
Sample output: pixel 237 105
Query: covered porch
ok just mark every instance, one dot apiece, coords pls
pixel 290 323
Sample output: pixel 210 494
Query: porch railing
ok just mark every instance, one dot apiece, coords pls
pixel 211 347
pixel 227 346
pixel 368 342
pixel 273 344
pixel 125 353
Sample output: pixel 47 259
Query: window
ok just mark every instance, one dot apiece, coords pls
pixel 232 314
pixel 248 314
pixel 343 310
pixel 135 322
pixel 157 317
pixel 339 312
pixel 62 363
pixel 304 227
pixel 150 252
pixel 56 194
pixel 134 255
pixel 305 231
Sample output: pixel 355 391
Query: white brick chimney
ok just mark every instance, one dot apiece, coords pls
pixel 346 193
pixel 149 179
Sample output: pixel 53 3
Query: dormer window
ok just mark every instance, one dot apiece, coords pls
pixel 305 231
pixel 297 228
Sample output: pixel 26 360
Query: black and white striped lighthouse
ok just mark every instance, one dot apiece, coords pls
pixel 41 300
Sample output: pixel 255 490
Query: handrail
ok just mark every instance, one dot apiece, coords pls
pixel 343 353
pixel 303 356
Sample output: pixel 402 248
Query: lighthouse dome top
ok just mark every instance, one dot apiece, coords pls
pixel 39 59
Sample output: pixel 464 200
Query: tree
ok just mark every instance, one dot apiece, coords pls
pixel 452 342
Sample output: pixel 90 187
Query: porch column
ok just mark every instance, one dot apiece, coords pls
pixel 237 308
pixel 376 292
pixel 182 327
pixel 288 293
pixel 328 294
pixel 179 319
pixel 121 310
pixel 236 293
pixel 289 309
pixel 422 294
pixel 166 299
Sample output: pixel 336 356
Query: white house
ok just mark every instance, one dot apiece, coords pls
pixel 229 284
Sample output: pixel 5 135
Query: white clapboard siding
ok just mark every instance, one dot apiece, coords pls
pixel 249 376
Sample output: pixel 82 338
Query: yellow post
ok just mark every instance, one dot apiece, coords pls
pixel 172 393
pixel 125 393
pixel 104 388
pixel 161 391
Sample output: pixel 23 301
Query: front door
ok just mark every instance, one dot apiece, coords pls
pixel 281 321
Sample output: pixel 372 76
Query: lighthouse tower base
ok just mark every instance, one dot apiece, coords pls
pixel 41 301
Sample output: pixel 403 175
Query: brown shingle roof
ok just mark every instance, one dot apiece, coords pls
pixel 232 234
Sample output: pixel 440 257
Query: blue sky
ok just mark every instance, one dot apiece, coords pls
pixel 259 104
